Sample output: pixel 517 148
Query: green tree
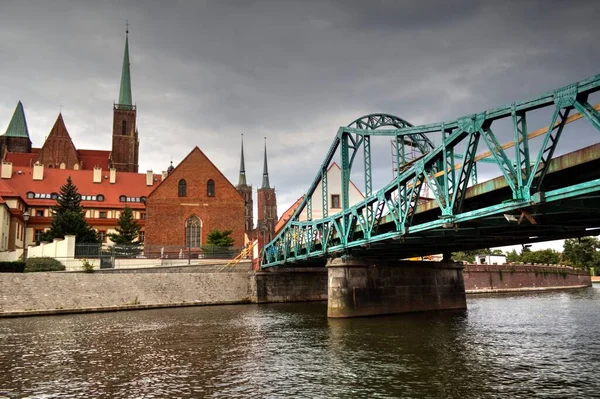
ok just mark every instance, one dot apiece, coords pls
pixel 128 230
pixel 68 218
pixel 469 256
pixel 582 252
pixel 544 256
pixel 220 238
pixel 513 256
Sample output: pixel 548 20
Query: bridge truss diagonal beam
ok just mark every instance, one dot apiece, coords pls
pixel 395 215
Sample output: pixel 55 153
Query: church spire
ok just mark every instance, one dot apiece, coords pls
pixel 265 181
pixel 125 91
pixel 18 125
pixel 242 181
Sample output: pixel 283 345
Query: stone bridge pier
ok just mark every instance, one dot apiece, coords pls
pixel 369 287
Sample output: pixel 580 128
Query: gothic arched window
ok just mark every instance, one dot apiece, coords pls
pixel 124 128
pixel 182 188
pixel 210 188
pixel 193 232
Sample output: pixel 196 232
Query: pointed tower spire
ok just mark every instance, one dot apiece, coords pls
pixel 125 91
pixel 242 181
pixel 265 181
pixel 18 125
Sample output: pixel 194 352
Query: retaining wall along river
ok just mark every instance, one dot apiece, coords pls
pixel 24 294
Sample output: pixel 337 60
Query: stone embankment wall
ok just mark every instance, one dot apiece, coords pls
pixel 24 294
pixel 51 293
pixel 510 278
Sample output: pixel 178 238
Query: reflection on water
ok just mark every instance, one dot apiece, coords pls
pixel 544 344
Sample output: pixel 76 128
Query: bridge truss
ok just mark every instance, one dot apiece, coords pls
pixel 395 220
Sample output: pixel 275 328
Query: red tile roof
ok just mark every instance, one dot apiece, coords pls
pixel 131 185
pixel 6 190
pixel 287 214
pixel 91 158
pixel 21 159
pixel 88 158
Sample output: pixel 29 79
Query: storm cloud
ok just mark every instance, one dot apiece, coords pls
pixel 292 71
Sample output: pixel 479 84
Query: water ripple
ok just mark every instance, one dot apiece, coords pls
pixel 533 345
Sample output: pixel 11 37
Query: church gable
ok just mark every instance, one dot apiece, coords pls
pixel 195 191
pixel 59 148
pixel 196 177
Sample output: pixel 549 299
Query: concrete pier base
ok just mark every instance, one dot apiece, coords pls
pixel 368 287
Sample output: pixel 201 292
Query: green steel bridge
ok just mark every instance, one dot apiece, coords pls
pixel 434 204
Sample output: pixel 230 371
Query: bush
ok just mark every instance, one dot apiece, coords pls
pixel 12 267
pixel 43 264
pixel 87 266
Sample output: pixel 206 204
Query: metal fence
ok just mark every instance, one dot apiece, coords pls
pixel 110 254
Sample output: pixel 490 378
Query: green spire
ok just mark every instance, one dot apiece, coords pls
pixel 265 182
pixel 125 92
pixel 242 181
pixel 18 125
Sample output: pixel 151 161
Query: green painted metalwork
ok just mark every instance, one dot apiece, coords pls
pixel 17 126
pixel 125 99
pixel 396 216
pixel 551 138
pixel 324 192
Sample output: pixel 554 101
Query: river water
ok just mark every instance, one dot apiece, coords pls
pixel 528 345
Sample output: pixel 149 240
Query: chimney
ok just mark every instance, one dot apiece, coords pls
pixel 164 175
pixel 149 177
pixel 38 171
pixel 6 170
pixel 113 176
pixel 97 174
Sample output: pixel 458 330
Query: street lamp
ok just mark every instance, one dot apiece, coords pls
pixel 25 219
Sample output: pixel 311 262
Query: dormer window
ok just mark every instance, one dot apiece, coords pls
pixel 123 198
pixel 100 197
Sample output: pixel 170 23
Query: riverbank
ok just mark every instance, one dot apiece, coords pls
pixel 483 279
pixel 32 294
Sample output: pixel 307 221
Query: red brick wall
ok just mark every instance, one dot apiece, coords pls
pixel 125 147
pixel 167 212
pixel 485 278
pixel 267 213
pixel 58 148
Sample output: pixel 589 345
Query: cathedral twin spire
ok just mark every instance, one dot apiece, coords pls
pixel 242 179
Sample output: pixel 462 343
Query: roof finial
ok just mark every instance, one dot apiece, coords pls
pixel 127 27
pixel 265 182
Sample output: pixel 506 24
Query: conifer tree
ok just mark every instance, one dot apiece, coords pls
pixel 68 218
pixel 128 229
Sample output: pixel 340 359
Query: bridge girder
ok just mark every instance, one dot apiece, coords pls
pixel 392 216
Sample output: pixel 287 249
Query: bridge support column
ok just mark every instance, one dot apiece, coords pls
pixel 369 287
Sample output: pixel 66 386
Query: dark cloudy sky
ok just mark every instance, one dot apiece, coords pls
pixel 203 72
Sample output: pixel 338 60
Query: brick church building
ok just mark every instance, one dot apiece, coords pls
pixel 178 207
